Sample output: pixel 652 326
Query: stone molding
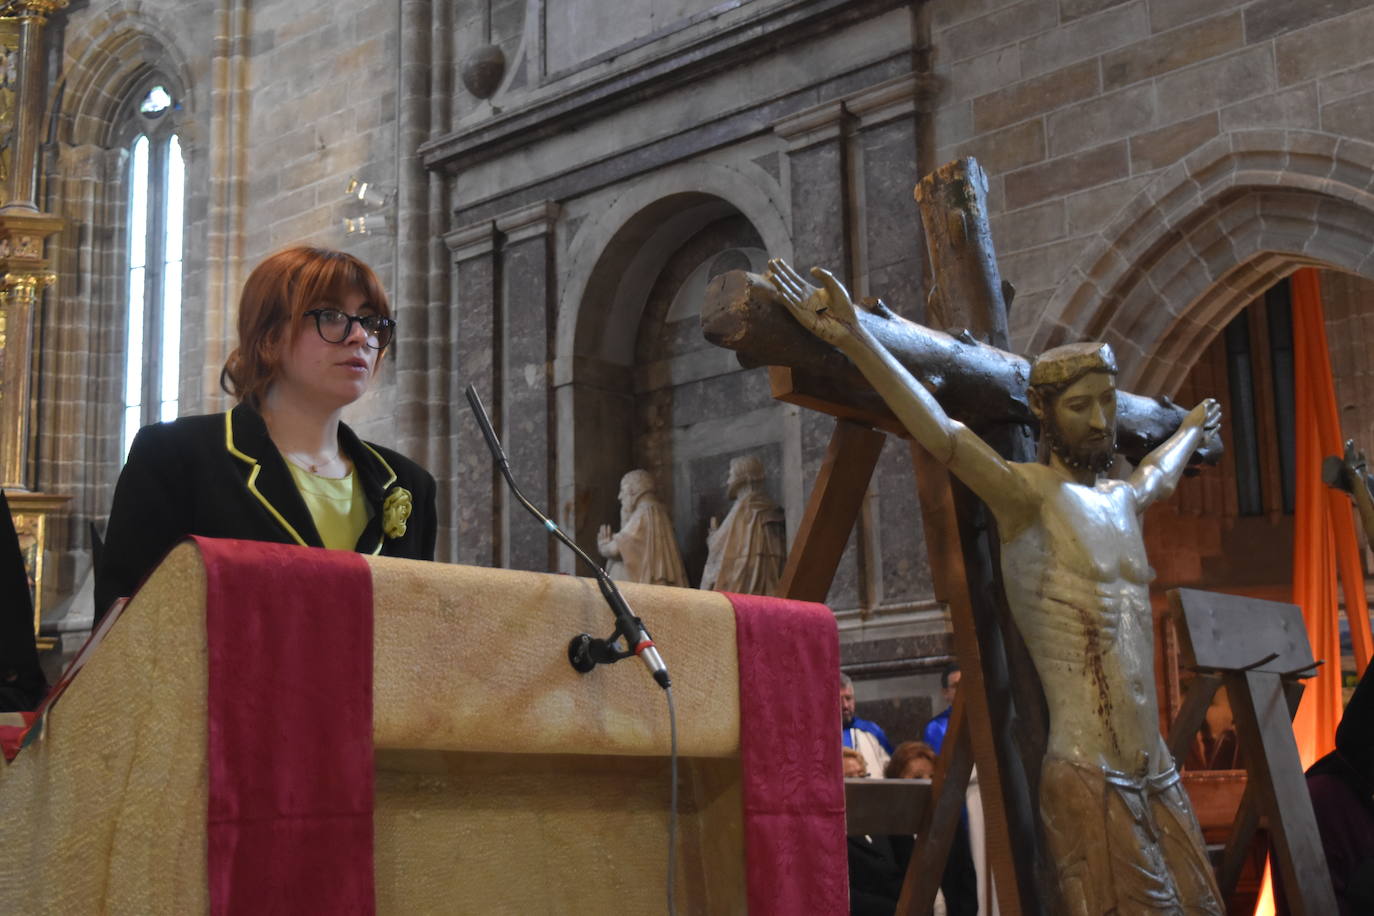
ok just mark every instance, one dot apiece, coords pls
pixel 905 96
pixel 472 241
pixel 815 125
pixel 648 158
pixel 528 222
pixel 772 31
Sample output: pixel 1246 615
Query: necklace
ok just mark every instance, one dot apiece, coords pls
pixel 301 460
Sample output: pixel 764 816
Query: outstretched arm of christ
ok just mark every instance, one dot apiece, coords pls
pixel 829 313
pixel 1159 473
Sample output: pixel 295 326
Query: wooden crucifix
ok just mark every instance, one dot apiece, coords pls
pixel 1001 725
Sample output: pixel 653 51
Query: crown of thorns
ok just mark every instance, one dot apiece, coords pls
pixel 1065 365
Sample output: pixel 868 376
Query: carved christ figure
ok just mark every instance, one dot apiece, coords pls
pixel 644 549
pixel 747 551
pixel 1117 823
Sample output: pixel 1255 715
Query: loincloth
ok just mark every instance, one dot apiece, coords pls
pixel 1124 844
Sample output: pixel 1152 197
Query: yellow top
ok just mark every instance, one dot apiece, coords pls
pixel 336 504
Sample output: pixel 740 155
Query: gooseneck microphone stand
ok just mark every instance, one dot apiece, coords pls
pixel 585 651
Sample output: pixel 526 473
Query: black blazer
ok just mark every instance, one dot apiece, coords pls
pixel 220 476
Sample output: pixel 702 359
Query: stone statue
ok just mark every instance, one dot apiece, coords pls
pixel 1118 825
pixel 746 552
pixel 644 549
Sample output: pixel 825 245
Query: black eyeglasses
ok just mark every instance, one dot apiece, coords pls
pixel 335 326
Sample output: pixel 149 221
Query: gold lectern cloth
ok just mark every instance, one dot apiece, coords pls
pixel 506 782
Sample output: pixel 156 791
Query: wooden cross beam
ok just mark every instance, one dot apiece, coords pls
pixel 1001 723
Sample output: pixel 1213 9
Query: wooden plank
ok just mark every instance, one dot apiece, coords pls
pixel 937 828
pixel 1258 698
pixel 836 500
pixel 965 577
pixel 885 806
pixel 833 397
pixel 1230 632
pixel 1247 816
pixel 1192 714
pixel 1216 797
pixel 1237 849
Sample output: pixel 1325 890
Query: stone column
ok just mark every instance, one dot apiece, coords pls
pixel 528 304
pixel 473 496
pixel 818 166
pixel 890 261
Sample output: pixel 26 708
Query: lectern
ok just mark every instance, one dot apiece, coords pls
pixel 505 782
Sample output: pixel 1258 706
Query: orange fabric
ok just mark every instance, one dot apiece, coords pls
pixel 1313 364
pixel 1323 529
pixel 1323 537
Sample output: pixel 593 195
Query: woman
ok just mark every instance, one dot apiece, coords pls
pixel 911 760
pixel 313 327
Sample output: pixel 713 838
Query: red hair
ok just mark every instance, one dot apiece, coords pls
pixel 904 754
pixel 276 295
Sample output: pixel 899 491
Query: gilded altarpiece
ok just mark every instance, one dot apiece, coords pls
pixel 24 274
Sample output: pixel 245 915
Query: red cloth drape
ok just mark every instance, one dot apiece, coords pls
pixel 793 791
pixel 290 729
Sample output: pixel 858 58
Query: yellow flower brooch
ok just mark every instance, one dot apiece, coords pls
pixel 395 511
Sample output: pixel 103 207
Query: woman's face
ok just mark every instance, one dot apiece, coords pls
pixel 324 374
pixel 918 768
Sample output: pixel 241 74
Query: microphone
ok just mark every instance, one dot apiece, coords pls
pixel 585 652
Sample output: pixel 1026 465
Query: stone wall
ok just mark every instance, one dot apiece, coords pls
pixel 1155 165
pixel 276 107
pixel 1090 113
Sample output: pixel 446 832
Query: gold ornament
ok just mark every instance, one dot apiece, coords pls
pixel 395 511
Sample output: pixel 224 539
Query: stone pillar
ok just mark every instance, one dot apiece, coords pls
pixel 817 156
pixel 890 265
pixel 528 304
pixel 473 496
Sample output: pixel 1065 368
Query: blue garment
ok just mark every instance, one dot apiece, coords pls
pixel 873 728
pixel 936 728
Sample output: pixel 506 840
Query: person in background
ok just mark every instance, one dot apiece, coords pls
pixel 938 726
pixel 1342 788
pixel 911 760
pixel 313 327
pixel 22 682
pixel 962 882
pixel 854 765
pixel 876 870
pixel 860 734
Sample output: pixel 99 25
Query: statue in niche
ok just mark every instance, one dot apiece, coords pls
pixel 1117 822
pixel 644 549
pixel 746 552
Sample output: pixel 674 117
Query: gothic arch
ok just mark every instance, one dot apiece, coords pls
pixel 108 60
pixel 1208 235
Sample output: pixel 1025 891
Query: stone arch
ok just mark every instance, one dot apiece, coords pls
pixel 1208 235
pixel 109 59
pixel 645 221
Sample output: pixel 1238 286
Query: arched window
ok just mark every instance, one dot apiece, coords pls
pixel 157 179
